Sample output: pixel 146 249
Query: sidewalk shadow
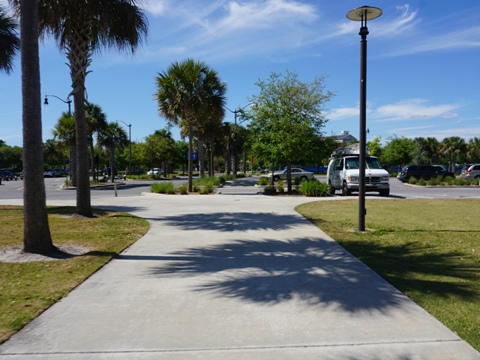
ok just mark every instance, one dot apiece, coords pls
pixel 234 221
pixel 311 270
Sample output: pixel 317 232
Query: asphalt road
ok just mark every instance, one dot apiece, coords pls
pixel 14 189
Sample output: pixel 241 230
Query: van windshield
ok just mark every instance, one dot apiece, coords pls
pixel 354 163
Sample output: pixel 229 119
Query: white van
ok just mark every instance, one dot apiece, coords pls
pixel 343 174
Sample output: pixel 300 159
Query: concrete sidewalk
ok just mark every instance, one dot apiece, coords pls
pixel 233 277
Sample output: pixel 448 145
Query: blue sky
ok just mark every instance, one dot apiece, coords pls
pixel 423 59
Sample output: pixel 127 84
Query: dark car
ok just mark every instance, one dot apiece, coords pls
pixel 7 174
pixel 54 173
pixel 425 172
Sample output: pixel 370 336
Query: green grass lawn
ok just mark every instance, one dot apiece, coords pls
pixel 29 288
pixel 428 249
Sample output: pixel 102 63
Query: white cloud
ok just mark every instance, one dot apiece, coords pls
pixel 156 7
pixel 224 29
pixel 342 113
pixel 414 109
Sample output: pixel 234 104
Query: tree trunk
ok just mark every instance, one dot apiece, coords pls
pixel 92 159
pixel 83 179
pixel 211 158
pixel 228 163
pixel 36 234
pixel 112 163
pixel 190 155
pixel 79 56
pixel 201 157
pixel 73 164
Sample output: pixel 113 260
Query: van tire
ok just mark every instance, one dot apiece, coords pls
pixel 331 189
pixel 385 193
pixel 345 190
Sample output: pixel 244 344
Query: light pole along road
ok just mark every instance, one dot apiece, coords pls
pixel 363 14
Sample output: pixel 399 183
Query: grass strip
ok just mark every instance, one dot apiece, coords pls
pixel 428 249
pixel 29 288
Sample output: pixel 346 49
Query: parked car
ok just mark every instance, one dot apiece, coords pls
pixel 54 173
pixel 472 172
pixel 441 167
pixel 296 173
pixel 7 174
pixel 155 171
pixel 425 172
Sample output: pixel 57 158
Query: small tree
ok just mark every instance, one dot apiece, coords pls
pixel 398 151
pixel 286 118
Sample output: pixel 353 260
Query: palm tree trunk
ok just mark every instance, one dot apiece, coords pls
pixel 83 179
pixel 92 159
pixel 190 155
pixel 201 157
pixel 112 163
pixel 36 234
pixel 73 165
pixel 78 51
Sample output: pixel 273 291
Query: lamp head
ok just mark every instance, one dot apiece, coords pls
pixel 46 101
pixel 364 13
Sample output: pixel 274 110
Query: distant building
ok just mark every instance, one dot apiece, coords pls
pixel 344 138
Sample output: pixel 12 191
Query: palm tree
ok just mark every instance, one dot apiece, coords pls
pixel 36 233
pixel 96 122
pixel 473 149
pixel 9 41
pixel 64 131
pixel 186 91
pixel 113 137
pixel 80 28
pixel 451 147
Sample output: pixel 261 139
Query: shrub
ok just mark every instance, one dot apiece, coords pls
pixel 280 188
pixel 206 181
pixel 280 182
pixel 183 189
pixel 412 180
pixel 435 181
pixel 314 188
pixel 269 190
pixel 240 175
pixel 449 180
pixel 207 189
pixel 163 188
pixel 263 181
pixel 459 182
pixel 421 182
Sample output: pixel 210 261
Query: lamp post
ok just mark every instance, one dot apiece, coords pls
pixel 235 112
pixel 129 146
pixel 68 101
pixel 363 14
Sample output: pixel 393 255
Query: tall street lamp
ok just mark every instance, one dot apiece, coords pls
pixel 68 101
pixel 235 112
pixel 363 14
pixel 129 146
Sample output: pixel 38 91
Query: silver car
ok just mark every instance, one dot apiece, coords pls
pixel 297 173
pixel 473 172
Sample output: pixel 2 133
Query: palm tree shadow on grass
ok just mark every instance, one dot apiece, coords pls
pixel 311 270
